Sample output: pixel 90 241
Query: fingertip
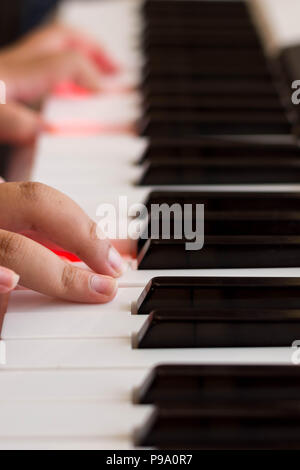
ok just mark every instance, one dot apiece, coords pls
pixel 104 285
pixel 105 63
pixel 8 280
pixel 116 262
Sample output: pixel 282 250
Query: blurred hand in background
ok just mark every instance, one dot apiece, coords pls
pixel 35 65
pixel 50 55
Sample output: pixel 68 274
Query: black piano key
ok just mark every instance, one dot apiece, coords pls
pixel 197 22
pixel 189 124
pixel 225 213
pixel 189 102
pixel 180 25
pixel 197 66
pixel 222 252
pixel 185 55
pixel 158 30
pixel 204 38
pixel 210 85
pixel 211 294
pixel 260 223
pixel 175 384
pixel 205 8
pixel 259 426
pixel 220 328
pixel 161 332
pixel 176 149
pixel 220 171
pixel 230 201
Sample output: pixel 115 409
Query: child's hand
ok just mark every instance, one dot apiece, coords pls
pixel 47 214
pixel 57 38
pixel 51 55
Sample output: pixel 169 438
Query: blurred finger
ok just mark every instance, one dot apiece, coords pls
pixel 19 125
pixel 57 38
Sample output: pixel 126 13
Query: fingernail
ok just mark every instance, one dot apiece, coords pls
pixel 103 285
pixel 8 280
pixel 2 180
pixel 116 261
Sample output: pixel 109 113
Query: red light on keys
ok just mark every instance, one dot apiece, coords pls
pixel 89 128
pixel 67 255
pixel 68 89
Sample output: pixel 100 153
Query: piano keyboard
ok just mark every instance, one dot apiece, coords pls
pixel 196 349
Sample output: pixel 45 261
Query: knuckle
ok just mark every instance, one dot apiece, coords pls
pixel 10 245
pixel 93 230
pixel 68 278
pixel 32 191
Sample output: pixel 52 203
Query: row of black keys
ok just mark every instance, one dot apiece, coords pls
pixel 221 407
pixel 205 312
pixel 225 407
pixel 239 230
pixel 181 60
pixel 217 161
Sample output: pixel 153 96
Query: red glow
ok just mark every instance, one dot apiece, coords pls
pixel 96 54
pixel 66 254
pixel 69 89
pixel 89 128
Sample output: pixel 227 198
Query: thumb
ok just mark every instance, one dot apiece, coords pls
pixel 19 125
pixel 8 280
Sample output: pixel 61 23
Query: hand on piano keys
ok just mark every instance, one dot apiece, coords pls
pixel 49 216
pixel 83 362
pixel 57 38
pixel 53 58
pixel 37 64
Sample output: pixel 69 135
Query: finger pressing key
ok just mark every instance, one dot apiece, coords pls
pixel 33 207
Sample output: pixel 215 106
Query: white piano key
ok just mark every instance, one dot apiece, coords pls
pixel 124 147
pixel 118 353
pixel 74 419
pixel 104 109
pixel 134 277
pixel 65 443
pixel 103 385
pixel 122 175
pixel 31 315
